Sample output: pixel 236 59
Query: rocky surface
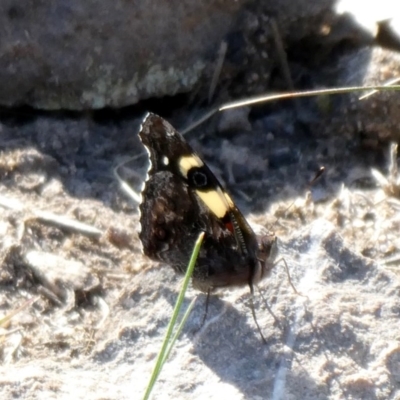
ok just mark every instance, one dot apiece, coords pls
pixel 99 54
pixel 91 311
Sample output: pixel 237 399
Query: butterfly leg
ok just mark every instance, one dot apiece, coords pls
pixel 253 312
pixel 206 309
pixel 203 320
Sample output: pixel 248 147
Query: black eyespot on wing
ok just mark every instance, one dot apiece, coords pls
pixel 197 178
pixel 200 178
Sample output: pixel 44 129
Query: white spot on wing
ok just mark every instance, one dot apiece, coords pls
pixel 165 160
pixel 169 132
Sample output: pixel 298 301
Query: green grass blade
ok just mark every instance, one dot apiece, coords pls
pixel 164 348
pixel 179 329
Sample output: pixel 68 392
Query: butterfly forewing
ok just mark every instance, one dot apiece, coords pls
pixel 182 197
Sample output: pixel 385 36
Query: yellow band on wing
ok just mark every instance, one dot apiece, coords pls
pixel 215 201
pixel 186 163
pixel 230 201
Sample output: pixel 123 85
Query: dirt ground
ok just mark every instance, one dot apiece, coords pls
pixel 97 308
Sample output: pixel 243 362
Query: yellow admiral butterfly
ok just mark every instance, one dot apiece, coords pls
pixel 180 198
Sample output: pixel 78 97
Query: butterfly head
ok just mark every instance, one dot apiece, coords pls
pixel 266 255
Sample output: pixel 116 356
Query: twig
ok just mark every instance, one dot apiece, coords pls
pixel 281 96
pixel 282 57
pixel 105 311
pixel 60 221
pixel 370 93
pixel 25 305
pixel 217 70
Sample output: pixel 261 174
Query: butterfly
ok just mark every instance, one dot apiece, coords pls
pixel 180 198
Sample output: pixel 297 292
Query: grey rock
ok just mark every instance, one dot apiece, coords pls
pixel 89 55
pixel 374 120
